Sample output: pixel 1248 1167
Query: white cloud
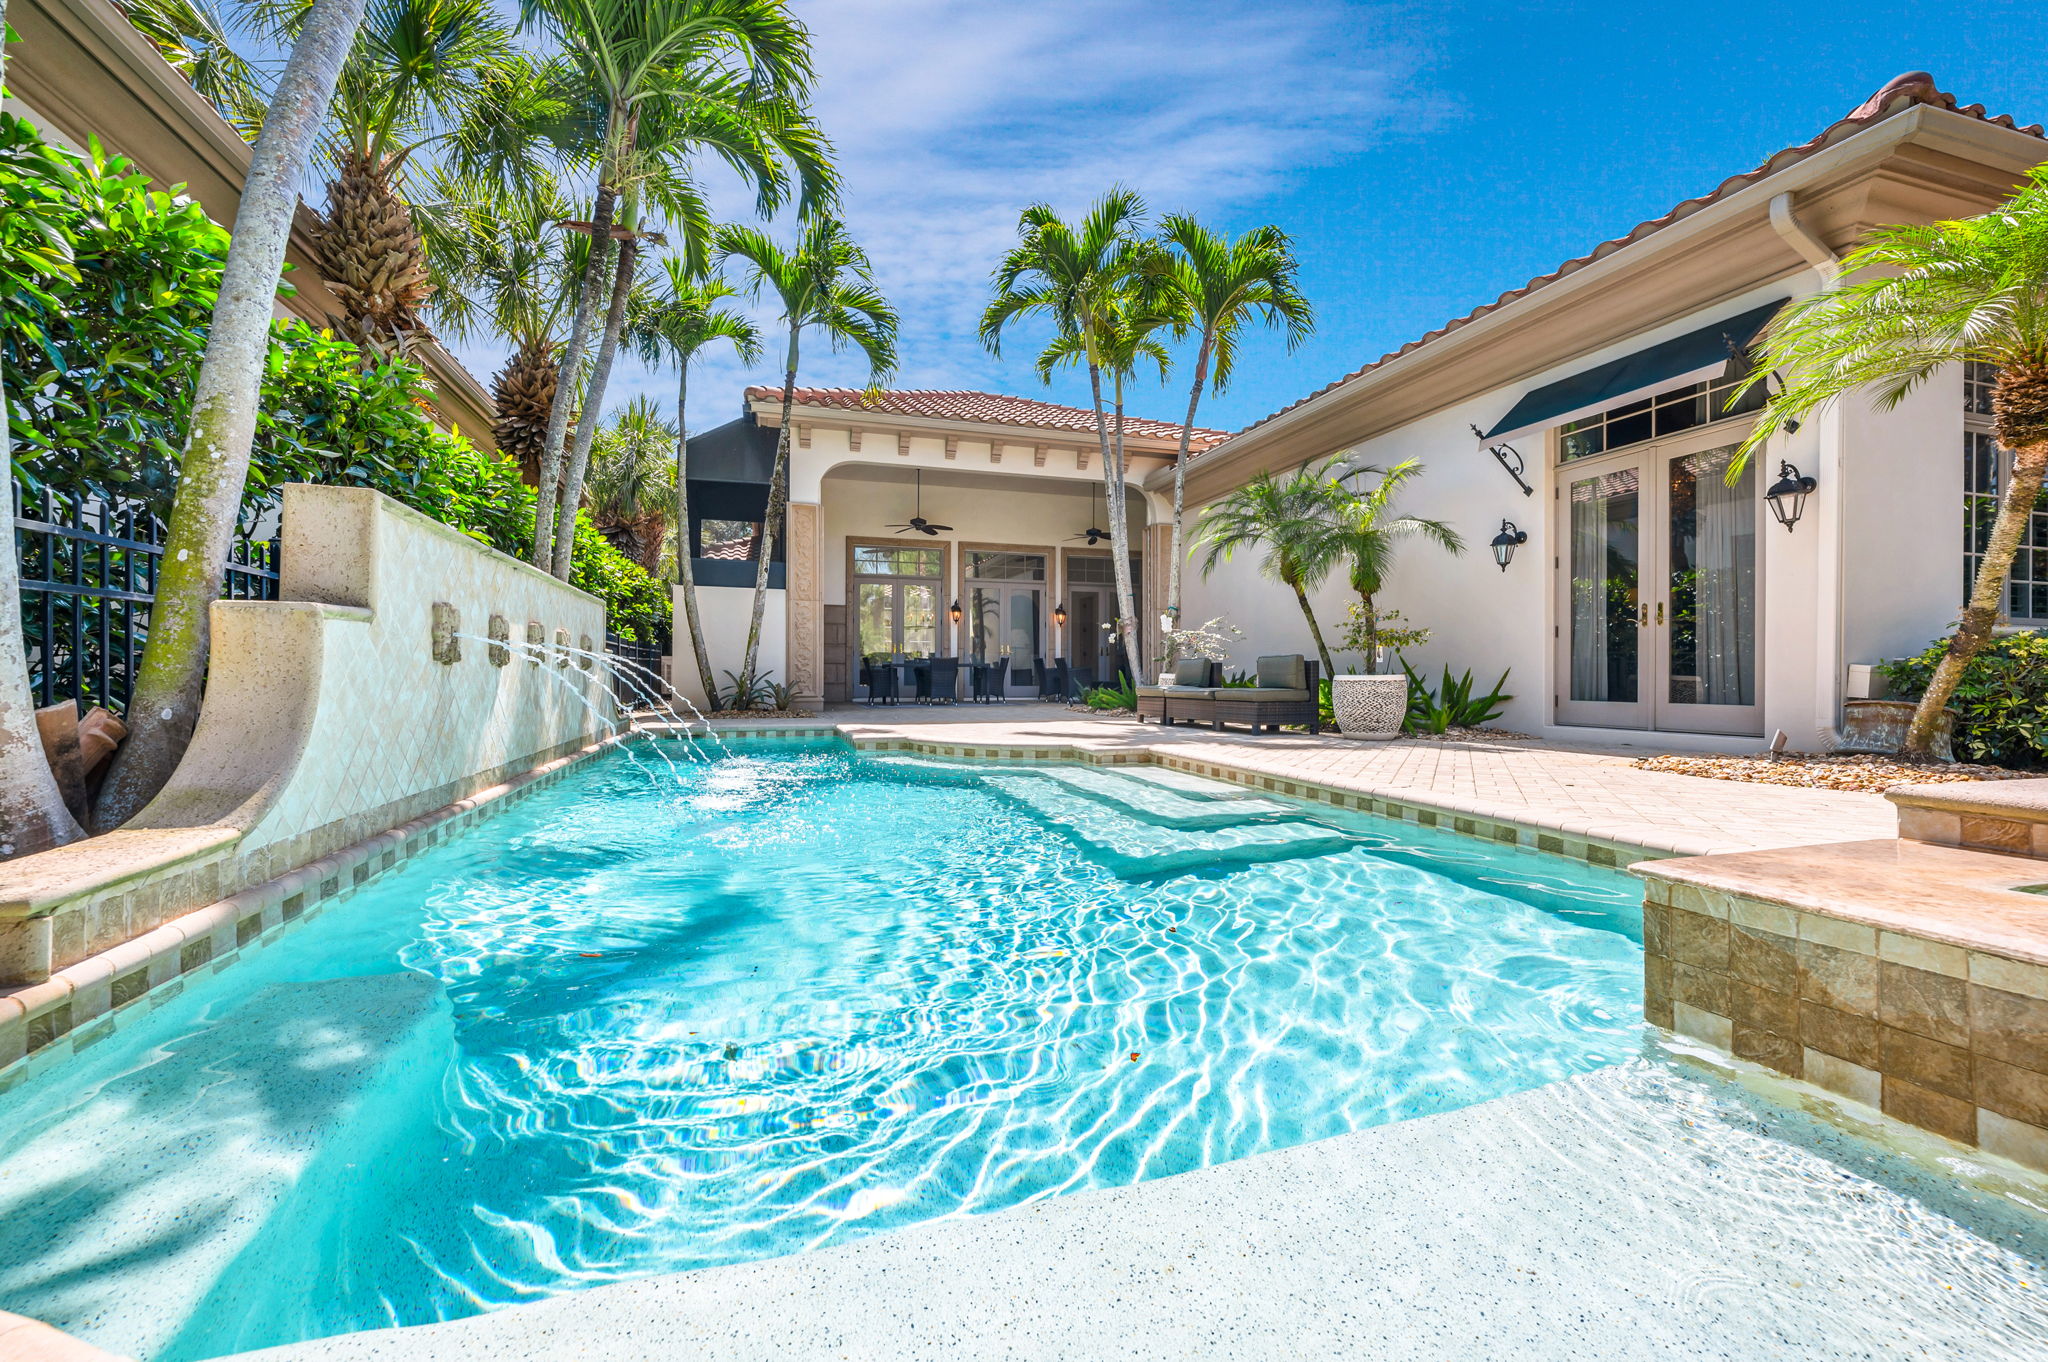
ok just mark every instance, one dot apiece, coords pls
pixel 950 115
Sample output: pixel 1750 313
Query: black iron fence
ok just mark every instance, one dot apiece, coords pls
pixel 88 578
pixel 640 682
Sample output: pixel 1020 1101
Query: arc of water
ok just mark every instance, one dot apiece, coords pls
pixel 653 686
pixel 539 653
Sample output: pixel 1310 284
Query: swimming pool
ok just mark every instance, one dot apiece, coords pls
pixel 643 1023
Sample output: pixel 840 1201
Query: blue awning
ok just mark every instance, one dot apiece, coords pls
pixel 1680 359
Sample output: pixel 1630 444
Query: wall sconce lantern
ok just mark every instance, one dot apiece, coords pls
pixel 1059 616
pixel 1506 542
pixel 1787 497
pixel 955 612
pixel 1510 458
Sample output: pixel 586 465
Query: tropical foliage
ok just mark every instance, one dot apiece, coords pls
pixel 1451 703
pixel 1278 516
pixel 1912 302
pixel 2001 702
pixel 1358 529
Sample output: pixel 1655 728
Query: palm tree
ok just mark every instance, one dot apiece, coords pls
pixel 1123 341
pixel 1359 527
pixel 503 271
pixel 1072 275
pixel 631 498
pixel 1219 285
pixel 193 37
pixel 33 249
pixel 678 326
pixel 215 462
pixel 1913 301
pixel 1284 516
pixel 440 74
pixel 653 81
pixel 827 283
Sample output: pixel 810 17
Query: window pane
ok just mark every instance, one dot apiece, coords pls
pixel 1605 554
pixel 875 560
pixel 1091 570
pixel 1713 581
pixel 1007 567
pixel 920 619
pixel 729 540
pixel 876 606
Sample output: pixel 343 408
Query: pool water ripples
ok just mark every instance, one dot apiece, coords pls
pixel 799 996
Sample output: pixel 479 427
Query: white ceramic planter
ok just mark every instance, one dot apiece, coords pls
pixel 1370 705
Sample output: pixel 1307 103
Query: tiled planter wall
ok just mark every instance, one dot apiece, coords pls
pixel 1947 1039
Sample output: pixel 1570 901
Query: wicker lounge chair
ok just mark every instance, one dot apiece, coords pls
pixel 1191 697
pixel 1285 694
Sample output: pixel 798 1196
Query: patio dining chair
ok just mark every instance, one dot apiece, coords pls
pixel 943 684
pixel 1080 680
pixel 995 681
pixel 881 681
pixel 1052 685
pixel 920 674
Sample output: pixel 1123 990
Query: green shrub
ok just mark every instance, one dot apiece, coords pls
pixel 1452 704
pixel 2002 701
pixel 1120 694
pixel 104 356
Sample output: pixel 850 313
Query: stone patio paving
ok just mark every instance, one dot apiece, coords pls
pixel 1583 791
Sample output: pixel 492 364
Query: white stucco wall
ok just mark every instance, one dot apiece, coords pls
pixel 1889 503
pixel 725 612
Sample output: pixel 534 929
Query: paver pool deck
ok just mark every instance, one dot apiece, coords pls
pixel 1584 791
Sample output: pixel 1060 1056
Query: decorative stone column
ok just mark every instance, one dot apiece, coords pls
pixel 806 606
pixel 1157 562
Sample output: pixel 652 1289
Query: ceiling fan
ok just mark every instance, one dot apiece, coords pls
pixel 917 521
pixel 1091 534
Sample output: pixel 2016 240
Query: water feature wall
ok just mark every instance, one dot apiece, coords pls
pixel 351 706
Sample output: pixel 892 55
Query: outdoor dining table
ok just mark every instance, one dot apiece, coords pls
pixel 917 671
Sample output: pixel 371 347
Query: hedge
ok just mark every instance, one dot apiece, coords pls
pixel 2003 698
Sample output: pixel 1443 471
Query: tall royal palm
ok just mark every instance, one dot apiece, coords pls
pixel 504 271
pixel 653 82
pixel 825 284
pixel 1282 516
pixel 1218 285
pixel 675 327
pixel 1360 528
pixel 1911 302
pixel 1074 276
pixel 214 465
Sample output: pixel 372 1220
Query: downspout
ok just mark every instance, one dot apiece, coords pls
pixel 1831 669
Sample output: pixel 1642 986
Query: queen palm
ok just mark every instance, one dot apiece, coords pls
pixel 1125 340
pixel 1910 303
pixel 650 83
pixel 214 464
pixel 195 38
pixel 504 270
pixel 1074 275
pixel 1360 528
pixel 1218 285
pixel 678 326
pixel 1284 517
pixel 824 283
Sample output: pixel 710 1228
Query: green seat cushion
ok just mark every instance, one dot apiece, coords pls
pixel 1268 694
pixel 1283 671
pixel 1182 691
pixel 1191 671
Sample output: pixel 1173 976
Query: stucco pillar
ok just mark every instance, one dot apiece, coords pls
pixel 806 608
pixel 1157 563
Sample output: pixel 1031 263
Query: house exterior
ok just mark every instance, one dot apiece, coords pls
pixel 1651 596
pixel 1009 488
pixel 81 72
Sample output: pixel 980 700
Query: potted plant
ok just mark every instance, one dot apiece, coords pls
pixel 1373 703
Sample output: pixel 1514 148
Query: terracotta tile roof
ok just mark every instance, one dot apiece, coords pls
pixel 982 408
pixel 1897 95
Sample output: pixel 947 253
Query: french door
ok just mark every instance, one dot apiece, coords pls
pixel 1658 589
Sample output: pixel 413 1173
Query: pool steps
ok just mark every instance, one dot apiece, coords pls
pixel 1136 849
pixel 1154 802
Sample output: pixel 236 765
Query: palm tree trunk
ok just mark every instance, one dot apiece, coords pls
pixel 215 463
pixel 686 571
pixel 569 380
pixel 1112 484
pixel 32 812
pixel 1315 630
pixel 1980 617
pixel 1180 479
pixel 1120 538
pixel 771 520
pixel 593 400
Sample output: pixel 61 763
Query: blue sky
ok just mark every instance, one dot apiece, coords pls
pixel 1425 158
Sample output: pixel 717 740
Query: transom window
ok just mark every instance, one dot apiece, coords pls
pixel 1985 468
pixel 1095 569
pixel 1666 413
pixel 877 560
pixel 1006 567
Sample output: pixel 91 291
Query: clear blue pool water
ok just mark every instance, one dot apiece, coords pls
pixel 640 1025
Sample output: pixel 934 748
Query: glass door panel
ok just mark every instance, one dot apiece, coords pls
pixel 920 613
pixel 876 606
pixel 1602 662
pixel 1710 592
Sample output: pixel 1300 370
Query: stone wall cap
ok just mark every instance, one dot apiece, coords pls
pixel 2023 801
pixel 38 885
pixel 1955 895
